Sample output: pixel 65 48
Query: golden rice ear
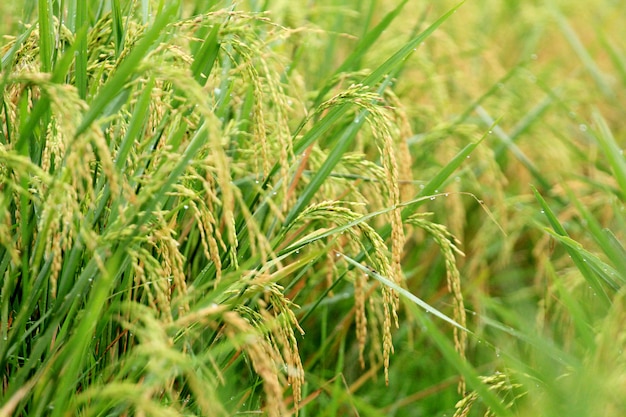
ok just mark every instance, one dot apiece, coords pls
pixel 364 238
pixel 500 383
pixel 264 357
pixel 449 249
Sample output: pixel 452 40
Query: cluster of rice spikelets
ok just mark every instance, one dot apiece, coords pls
pixel 161 194
pixel 499 383
pixel 93 190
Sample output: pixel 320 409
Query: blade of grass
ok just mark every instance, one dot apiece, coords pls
pixel 81 24
pixel 417 301
pixel 46 35
pixel 118 26
pixel 436 182
pixel 401 55
pixel 612 152
pixel 574 250
pixel 524 332
pixel 598 267
pixel 364 45
pixel 614 253
pixel 74 353
pixel 205 58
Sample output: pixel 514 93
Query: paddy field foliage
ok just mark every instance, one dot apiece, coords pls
pixel 371 208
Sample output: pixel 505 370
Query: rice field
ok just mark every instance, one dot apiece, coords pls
pixel 371 208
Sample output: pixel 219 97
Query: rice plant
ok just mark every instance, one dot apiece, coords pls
pixel 372 208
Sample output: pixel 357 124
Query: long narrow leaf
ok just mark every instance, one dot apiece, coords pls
pixel 81 24
pixel 411 297
pixel 612 152
pixel 364 45
pixel 574 252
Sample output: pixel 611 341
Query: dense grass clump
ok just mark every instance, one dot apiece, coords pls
pixel 372 208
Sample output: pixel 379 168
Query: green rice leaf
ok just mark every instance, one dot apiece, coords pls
pixel 411 297
pixel 205 58
pixel 612 152
pixel 574 249
pixel 364 45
